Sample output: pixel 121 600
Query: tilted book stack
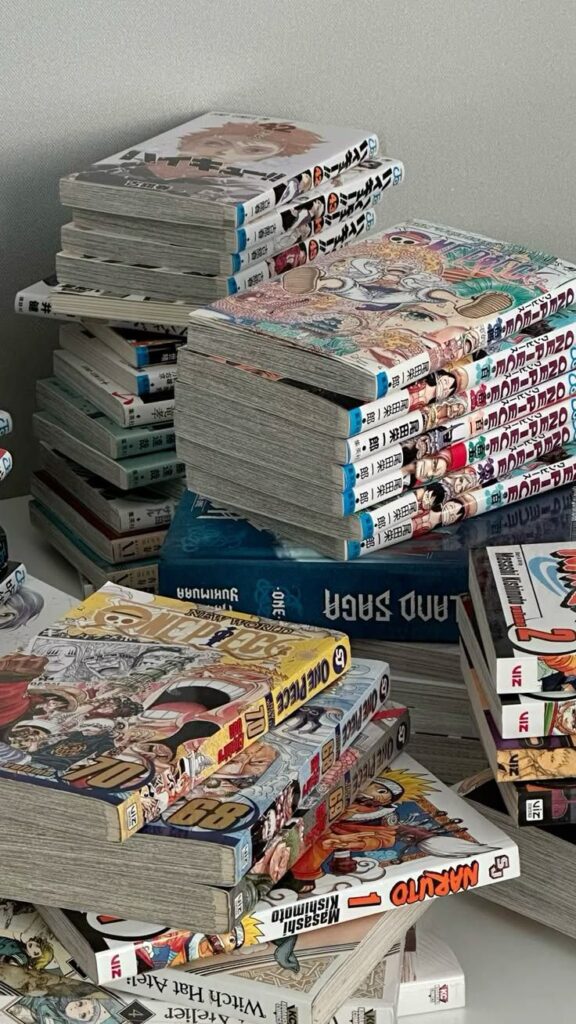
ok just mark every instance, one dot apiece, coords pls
pixel 12 573
pixel 419 379
pixel 207 209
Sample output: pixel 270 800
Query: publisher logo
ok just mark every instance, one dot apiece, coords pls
pixel 523 721
pixel 339 659
pixel 115 967
pixel 517 675
pixel 535 810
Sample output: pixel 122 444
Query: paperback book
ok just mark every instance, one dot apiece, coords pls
pixel 136 347
pixel 250 675
pixel 126 409
pixel 218 169
pixel 12 579
pixel 432 978
pixel 142 382
pixel 34 606
pixel 489 290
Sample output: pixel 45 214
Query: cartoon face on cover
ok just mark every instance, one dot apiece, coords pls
pixel 411 295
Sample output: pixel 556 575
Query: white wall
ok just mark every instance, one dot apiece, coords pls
pixel 476 96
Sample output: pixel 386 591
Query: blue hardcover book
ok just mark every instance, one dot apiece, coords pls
pixel 406 593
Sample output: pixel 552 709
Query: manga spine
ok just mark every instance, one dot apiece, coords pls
pixel 523 484
pixel 518 319
pixel 6 424
pixel 385 436
pixel 365 149
pixel 428 995
pixel 380 464
pixel 544 804
pixel 138 352
pixel 5 463
pixel 85 346
pixel 3 549
pixel 140 442
pixel 319 208
pixel 125 409
pixel 12 578
pixel 140 355
pixel 527 717
pixel 305 251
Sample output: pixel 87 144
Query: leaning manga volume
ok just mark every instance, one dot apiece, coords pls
pixel 220 168
pixel 197 687
pixel 388 312
pixel 432 978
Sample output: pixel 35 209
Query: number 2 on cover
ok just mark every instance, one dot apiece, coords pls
pixel 555 635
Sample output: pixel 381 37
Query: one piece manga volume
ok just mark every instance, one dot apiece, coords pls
pixel 132 699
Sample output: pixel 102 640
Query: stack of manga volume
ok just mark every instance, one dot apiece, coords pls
pixel 12 573
pixel 419 379
pixel 240 778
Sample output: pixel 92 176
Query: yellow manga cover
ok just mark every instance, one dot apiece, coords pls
pixel 188 687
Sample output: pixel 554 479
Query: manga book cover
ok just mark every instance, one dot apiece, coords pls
pixel 27 942
pixel 556 469
pixel 132 699
pixel 403 304
pixel 12 579
pixel 247 803
pixel 5 463
pixel 523 759
pixel 528 608
pixel 249 163
pixel 432 978
pixel 352 191
pixel 29 610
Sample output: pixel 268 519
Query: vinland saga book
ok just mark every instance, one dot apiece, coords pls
pixel 405 839
pixel 341 325
pixel 221 680
pixel 219 169
pixel 164 283
pixel 137 471
pixel 142 575
pixel 148 380
pixel 60 994
pixel 213 251
pixel 225 910
pixel 523 759
pixel 524 599
pixel 432 978
pixel 407 593
pixel 90 425
pixel 124 511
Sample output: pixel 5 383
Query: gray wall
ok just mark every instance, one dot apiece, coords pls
pixel 476 96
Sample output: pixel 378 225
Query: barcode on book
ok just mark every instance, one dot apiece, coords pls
pixel 534 810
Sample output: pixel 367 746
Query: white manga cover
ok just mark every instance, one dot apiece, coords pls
pixel 125 409
pixel 12 578
pixel 32 608
pixel 432 978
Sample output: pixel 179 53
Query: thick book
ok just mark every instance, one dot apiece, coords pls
pixel 46 298
pixel 111 545
pixel 220 169
pixel 136 347
pixel 231 249
pixel 126 474
pixel 141 575
pixel 524 600
pixel 141 508
pixel 12 578
pixel 343 325
pixel 157 379
pixel 126 409
pixel 251 674
pixel 90 425
pixel 406 593
pixel 432 978
pixel 165 283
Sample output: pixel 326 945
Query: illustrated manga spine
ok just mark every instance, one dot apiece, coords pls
pixel 6 424
pixel 125 409
pixel 12 578
pixel 542 804
pixel 83 344
pixel 141 354
pixel 306 251
pixel 155 379
pixel 313 177
pixel 5 463
pixel 318 209
pixel 523 484
pixel 518 319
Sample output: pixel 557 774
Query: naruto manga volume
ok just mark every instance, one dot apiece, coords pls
pixel 131 699
pixel 219 168
pixel 389 311
pixel 405 839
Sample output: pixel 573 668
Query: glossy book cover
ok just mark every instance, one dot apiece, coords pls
pixel 133 699
pixel 401 305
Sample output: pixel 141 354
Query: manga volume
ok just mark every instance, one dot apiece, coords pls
pixel 136 347
pixel 218 169
pixel 432 978
pixel 126 409
pixel 389 311
pixel 143 382
pixel 12 578
pixel 197 687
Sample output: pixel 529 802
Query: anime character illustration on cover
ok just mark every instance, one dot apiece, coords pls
pixel 403 295
pixel 55 1000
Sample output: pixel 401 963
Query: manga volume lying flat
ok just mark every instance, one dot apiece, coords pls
pixel 143 382
pixel 126 409
pixel 219 168
pixel 524 600
pixel 197 687
pixel 136 347
pixel 341 324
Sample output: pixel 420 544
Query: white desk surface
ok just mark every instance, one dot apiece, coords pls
pixel 516 971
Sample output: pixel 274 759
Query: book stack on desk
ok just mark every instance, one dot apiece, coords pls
pixel 207 209
pixel 244 780
pixel 12 573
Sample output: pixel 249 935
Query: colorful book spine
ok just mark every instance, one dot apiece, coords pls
pixel 5 463
pixel 327 241
pixel 249 210
pixel 83 344
pixel 125 409
pixel 354 191
pixel 522 484
pixel 135 348
pixel 12 577
pixel 301 752
pixel 551 802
